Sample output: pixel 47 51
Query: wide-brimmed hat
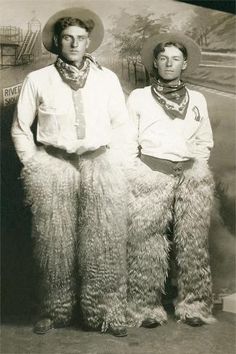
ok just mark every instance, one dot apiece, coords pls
pixel 193 50
pixel 96 36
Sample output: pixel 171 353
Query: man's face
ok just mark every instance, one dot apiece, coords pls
pixel 73 42
pixel 170 64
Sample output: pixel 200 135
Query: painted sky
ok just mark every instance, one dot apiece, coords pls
pixel 19 12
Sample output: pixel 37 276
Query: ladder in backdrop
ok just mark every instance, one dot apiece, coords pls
pixel 27 46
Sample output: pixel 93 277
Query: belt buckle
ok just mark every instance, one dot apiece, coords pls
pixel 178 169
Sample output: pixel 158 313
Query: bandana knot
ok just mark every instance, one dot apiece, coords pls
pixel 74 77
pixel 174 99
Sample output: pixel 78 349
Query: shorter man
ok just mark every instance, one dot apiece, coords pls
pixel 172 189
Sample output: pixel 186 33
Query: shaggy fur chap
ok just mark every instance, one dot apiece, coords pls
pixel 159 201
pixel 79 232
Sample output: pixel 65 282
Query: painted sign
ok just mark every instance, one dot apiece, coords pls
pixel 11 94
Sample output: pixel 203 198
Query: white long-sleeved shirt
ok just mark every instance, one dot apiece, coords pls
pixel 98 110
pixel 166 138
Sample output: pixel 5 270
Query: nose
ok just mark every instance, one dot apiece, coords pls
pixel 74 42
pixel 169 62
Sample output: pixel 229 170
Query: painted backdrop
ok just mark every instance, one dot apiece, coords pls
pixel 127 24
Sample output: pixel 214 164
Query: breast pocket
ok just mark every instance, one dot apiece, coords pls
pixel 47 120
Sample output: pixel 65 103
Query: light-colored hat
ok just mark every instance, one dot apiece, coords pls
pixel 96 36
pixel 193 50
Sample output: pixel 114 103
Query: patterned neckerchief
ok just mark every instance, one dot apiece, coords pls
pixel 174 99
pixel 73 76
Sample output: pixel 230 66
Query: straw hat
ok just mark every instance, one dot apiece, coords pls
pixel 193 50
pixel 96 36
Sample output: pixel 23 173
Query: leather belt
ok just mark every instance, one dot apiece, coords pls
pixel 54 151
pixel 168 167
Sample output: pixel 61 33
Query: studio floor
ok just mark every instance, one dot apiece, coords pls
pixel 172 338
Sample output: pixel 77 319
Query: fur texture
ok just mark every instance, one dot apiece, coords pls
pixel 158 201
pixel 150 211
pixel 193 204
pixel 102 242
pixel 79 231
pixel 51 190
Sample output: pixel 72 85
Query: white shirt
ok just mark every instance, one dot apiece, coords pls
pixel 58 107
pixel 171 139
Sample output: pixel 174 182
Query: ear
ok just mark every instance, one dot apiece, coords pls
pixel 155 63
pixel 88 42
pixel 185 64
pixel 55 40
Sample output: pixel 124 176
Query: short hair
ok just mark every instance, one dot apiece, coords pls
pixel 65 22
pixel 161 48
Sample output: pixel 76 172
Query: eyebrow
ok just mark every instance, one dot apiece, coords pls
pixel 175 56
pixel 75 36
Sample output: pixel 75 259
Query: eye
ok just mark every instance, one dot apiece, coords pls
pixel 66 37
pixel 82 38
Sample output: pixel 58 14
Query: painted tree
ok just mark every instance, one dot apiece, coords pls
pixel 129 42
pixel 203 22
pixel 129 33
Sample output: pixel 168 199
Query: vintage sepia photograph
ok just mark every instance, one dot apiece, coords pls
pixel 118 176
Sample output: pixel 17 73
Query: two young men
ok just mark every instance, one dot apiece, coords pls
pixel 78 191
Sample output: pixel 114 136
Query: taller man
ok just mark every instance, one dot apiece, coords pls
pixel 73 182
